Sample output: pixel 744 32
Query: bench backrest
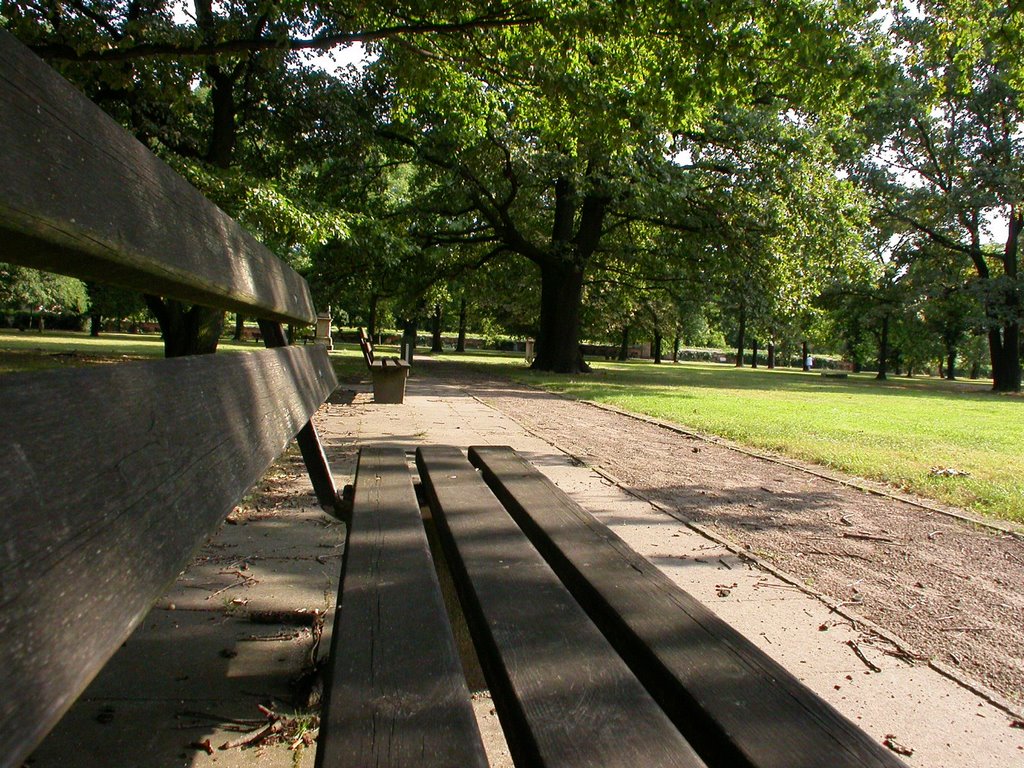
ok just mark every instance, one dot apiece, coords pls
pixel 113 475
pixel 366 345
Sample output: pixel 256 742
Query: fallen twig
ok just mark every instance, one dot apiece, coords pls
pixel 215 718
pixel 302 617
pixel 761 584
pixel 860 655
pixel 253 736
pixel 868 537
pixel 895 746
pixel 905 656
pixel 836 554
pixel 269 638
pixel 965 629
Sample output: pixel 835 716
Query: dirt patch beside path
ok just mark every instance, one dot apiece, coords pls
pixel 954 592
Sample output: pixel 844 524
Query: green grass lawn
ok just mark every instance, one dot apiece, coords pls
pixel 34 351
pixel 895 431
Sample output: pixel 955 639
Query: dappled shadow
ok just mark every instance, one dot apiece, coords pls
pixel 222 643
pixel 342 396
pixel 746 506
pixel 164 451
pixel 563 694
pixel 731 701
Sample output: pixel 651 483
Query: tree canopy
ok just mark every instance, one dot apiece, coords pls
pixel 615 165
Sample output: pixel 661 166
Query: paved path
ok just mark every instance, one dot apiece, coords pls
pixel 206 655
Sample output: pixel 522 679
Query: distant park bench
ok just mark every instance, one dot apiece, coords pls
pixel 592 655
pixel 114 475
pixel 389 374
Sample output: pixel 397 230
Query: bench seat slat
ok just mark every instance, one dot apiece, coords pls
pixel 564 696
pixel 112 477
pixel 80 196
pixel 397 695
pixel 737 705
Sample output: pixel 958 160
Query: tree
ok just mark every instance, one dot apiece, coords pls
pixel 948 303
pixel 29 290
pixel 224 96
pixel 110 302
pixel 549 140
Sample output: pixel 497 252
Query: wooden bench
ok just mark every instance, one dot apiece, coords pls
pixel 389 374
pixel 114 475
pixel 592 655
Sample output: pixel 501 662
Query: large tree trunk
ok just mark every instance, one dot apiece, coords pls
pixel 883 350
pixel 435 339
pixel 740 337
pixel 675 349
pixel 192 331
pixel 951 363
pixel 222 137
pixel 239 327
pixel 1004 336
pixel 624 345
pixel 753 353
pixel 657 346
pixel 371 321
pixel 1004 348
pixel 1006 364
pixel 460 346
pixel 558 339
pixel 95 324
pixel 771 355
pixel 408 348
pixel 561 277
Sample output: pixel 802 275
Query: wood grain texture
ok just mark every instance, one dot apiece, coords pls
pixel 396 692
pixel 112 477
pixel 312 449
pixel 564 696
pixel 737 706
pixel 81 197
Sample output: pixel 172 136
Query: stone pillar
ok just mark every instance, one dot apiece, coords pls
pixel 323 329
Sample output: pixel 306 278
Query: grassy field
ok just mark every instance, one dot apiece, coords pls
pixel 33 351
pixel 896 431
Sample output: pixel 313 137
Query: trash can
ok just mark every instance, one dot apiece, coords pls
pixel 389 376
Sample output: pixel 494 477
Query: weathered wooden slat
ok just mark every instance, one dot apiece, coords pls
pixel 396 692
pixel 734 703
pixel 81 197
pixel 564 696
pixel 112 476
pixel 313 453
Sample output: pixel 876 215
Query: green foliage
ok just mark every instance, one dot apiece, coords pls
pixel 947 156
pixel 29 290
pixel 115 303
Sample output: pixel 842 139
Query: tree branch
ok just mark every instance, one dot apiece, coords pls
pixel 64 52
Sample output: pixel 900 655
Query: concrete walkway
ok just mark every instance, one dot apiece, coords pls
pixel 230 635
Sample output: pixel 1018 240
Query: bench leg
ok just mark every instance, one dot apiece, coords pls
pixel 309 441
